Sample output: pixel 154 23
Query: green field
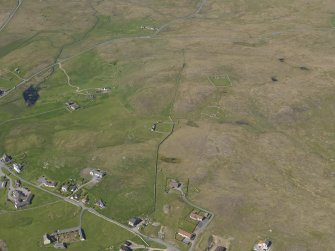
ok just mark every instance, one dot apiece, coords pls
pixel 37 222
pixel 258 153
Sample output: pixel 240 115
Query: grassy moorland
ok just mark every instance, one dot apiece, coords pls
pixel 248 83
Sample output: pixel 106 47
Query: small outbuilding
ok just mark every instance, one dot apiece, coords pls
pixel 6 158
pixel 127 243
pixel 3 184
pixel 65 188
pixel 133 222
pixel 97 173
pixel 72 106
pixel 17 183
pixel 125 248
pixel 174 184
pixel 47 183
pixel 46 239
pixel 263 245
pixel 100 203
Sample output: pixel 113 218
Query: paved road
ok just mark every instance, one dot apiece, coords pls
pixel 11 15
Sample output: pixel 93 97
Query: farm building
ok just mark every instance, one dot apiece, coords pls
pixel 196 216
pixel 6 158
pixel 97 173
pixel 133 222
pixel 263 246
pixel 185 234
pixel 174 184
pixel 17 167
pixel 100 203
pixel 65 188
pixel 125 248
pixel 20 197
pixel 3 184
pixel 45 182
pixel 46 239
pixel 72 106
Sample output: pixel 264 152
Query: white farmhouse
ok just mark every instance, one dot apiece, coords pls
pixel 97 173
pixel 17 167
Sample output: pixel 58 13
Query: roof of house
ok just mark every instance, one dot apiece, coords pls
pixel 185 234
pixel 175 184
pixel 42 179
pixel 68 230
pixel 126 248
pixel 97 172
pixel 135 220
pixel 17 167
pixel 71 230
pixel 128 243
pixel 195 215
pixel 3 184
pixel 6 157
pixel 50 183
pixel 100 203
pixel 46 237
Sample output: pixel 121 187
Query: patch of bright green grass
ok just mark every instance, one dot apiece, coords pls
pixel 114 26
pixel 102 235
pixel 333 21
pixel 222 80
pixel 214 113
pixel 128 190
pixel 23 229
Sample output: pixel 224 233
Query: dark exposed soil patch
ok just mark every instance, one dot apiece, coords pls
pixel 170 160
pixel 274 79
pixel 242 122
pixel 304 68
pixel 192 123
pixel 31 95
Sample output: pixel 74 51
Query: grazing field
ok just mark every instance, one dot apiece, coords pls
pixel 15 226
pixel 248 86
pixel 60 215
